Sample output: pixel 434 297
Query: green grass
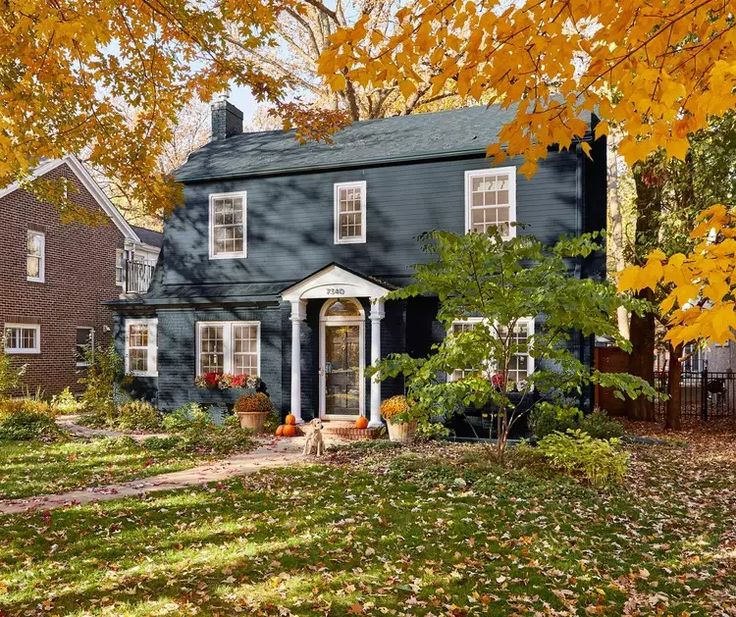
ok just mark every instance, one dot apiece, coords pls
pixel 390 534
pixel 32 468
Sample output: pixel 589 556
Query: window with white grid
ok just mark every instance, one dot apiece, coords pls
pixel 22 338
pixel 141 348
pixel 350 212
pixel 458 327
pixel 35 256
pixel 490 201
pixel 229 347
pixel 227 225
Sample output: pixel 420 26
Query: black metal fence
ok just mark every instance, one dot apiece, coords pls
pixel 704 395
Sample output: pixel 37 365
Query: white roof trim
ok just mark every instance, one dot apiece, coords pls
pixel 89 183
pixel 333 282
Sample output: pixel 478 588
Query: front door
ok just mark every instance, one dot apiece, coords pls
pixel 341 366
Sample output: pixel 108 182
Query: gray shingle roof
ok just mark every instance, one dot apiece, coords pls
pixel 149 236
pixel 399 138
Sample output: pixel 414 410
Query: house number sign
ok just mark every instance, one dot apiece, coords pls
pixel 335 291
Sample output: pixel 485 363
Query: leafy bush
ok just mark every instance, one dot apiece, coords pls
pixel 601 426
pixel 252 403
pixel 225 439
pixel 138 416
pixel 104 370
pixel 600 462
pixel 162 444
pixel 28 405
pixel 190 415
pixel 10 373
pixel 547 418
pixel 427 431
pixel 65 402
pixel 399 409
pixel 23 424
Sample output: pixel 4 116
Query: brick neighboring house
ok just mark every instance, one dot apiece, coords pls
pixel 54 277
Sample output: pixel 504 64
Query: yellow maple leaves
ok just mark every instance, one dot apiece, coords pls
pixel 699 288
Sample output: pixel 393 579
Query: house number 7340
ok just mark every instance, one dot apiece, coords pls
pixel 335 291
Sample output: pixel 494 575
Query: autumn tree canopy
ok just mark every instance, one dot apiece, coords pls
pixel 656 70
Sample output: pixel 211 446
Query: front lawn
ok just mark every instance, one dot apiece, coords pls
pixel 31 467
pixel 392 534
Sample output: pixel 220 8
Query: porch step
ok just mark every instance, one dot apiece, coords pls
pixel 347 430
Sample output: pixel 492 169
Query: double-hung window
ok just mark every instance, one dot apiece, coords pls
pixel 35 256
pixel 229 347
pixel 141 348
pixel 521 363
pixel 228 228
pixel 120 261
pixel 350 212
pixel 84 345
pixel 22 338
pixel 490 201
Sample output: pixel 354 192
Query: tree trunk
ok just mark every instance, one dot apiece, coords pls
pixel 641 360
pixel 673 417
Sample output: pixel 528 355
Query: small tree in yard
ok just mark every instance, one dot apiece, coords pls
pixel 10 375
pixel 501 284
pixel 105 367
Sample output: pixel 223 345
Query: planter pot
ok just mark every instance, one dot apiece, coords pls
pixel 403 432
pixel 253 420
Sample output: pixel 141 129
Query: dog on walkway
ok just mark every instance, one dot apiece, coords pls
pixel 315 442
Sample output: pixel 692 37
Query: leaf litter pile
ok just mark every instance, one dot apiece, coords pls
pixel 378 530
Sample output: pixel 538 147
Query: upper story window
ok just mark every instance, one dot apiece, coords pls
pixel 228 225
pixel 229 347
pixel 22 338
pixel 120 267
pixel 141 348
pixel 350 220
pixel 490 200
pixel 35 256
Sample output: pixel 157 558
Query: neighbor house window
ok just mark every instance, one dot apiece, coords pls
pixel 227 225
pixel 521 364
pixel 141 347
pixel 350 221
pixel 229 347
pixel 85 343
pixel 120 267
pixel 490 201
pixel 35 256
pixel 22 338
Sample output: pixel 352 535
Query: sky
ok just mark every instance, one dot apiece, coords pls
pixel 241 97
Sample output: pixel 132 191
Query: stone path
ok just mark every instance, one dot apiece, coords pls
pixel 266 456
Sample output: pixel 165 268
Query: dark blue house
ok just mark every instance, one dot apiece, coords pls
pixel 279 262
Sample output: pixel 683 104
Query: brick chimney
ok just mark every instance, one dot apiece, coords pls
pixel 227 120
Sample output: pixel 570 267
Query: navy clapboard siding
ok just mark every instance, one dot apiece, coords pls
pixel 290 221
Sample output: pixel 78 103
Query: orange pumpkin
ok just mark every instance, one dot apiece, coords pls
pixel 289 430
pixel 280 430
pixel 361 422
pixel 290 419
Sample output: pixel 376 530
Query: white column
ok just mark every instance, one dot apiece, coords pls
pixel 298 313
pixel 376 316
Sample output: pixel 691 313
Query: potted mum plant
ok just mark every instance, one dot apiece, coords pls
pixel 253 410
pixel 401 418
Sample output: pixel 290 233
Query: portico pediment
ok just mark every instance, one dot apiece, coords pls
pixel 334 281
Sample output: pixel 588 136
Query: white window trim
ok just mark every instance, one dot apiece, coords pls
pixel 41 278
pixel 234 254
pixel 20 350
pixel 91 342
pixel 530 325
pixel 120 257
pixel 152 324
pixel 227 343
pixel 360 184
pixel 475 173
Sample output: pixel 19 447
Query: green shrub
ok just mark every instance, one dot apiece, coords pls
pixel 10 373
pixel 225 439
pixel 24 425
pixel 547 418
pixel 427 431
pixel 190 415
pixel 163 444
pixel 65 402
pixel 601 426
pixel 138 416
pixel 103 373
pixel 600 462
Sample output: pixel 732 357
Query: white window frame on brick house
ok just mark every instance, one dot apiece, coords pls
pixel 214 197
pixel 31 233
pixel 473 321
pixel 339 214
pixel 151 346
pixel 35 328
pixel 491 172
pixel 228 344
pixel 120 259
pixel 79 355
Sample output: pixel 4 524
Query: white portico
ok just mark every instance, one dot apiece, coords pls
pixel 341 340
